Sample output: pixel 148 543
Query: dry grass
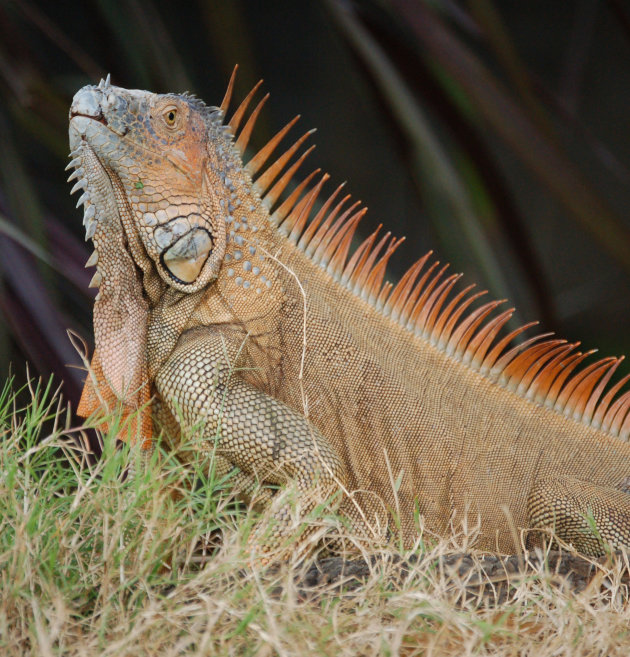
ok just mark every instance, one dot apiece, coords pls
pixel 92 565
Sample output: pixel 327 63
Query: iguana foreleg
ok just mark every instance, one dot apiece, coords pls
pixel 247 428
pixel 573 509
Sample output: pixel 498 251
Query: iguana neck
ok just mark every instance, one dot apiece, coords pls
pixel 249 290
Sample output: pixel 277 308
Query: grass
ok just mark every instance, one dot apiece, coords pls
pixel 93 562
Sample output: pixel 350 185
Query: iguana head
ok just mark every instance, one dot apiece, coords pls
pixel 143 161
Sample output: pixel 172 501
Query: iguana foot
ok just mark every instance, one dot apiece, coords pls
pixel 586 515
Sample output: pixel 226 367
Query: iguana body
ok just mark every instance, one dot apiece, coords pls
pixel 254 320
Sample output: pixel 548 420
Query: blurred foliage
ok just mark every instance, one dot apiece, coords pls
pixel 492 131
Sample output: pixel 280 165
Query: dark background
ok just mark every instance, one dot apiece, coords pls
pixel 494 132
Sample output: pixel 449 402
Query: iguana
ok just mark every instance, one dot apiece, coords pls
pixel 231 300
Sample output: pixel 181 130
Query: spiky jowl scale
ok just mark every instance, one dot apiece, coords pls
pixel 229 302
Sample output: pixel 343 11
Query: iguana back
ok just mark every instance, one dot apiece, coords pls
pixel 259 321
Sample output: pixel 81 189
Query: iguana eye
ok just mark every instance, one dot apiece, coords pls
pixel 170 116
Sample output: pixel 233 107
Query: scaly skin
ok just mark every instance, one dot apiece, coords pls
pixel 294 373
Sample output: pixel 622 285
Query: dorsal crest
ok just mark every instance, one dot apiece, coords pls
pixel 540 369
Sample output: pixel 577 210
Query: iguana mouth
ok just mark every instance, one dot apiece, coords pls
pixel 100 118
